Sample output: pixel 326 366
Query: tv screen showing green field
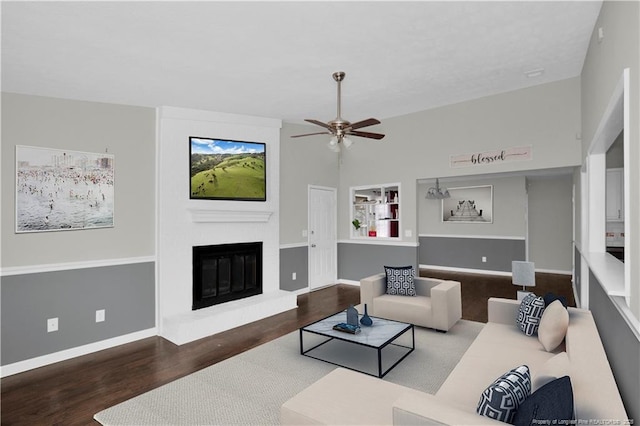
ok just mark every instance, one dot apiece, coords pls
pixel 228 170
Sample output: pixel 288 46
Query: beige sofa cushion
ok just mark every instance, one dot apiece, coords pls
pixel 409 309
pixel 553 325
pixel 554 368
pixel 498 348
pixel 369 401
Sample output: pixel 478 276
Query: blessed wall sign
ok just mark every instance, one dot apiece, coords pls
pixel 520 153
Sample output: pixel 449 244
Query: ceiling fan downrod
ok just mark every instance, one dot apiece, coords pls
pixel 339 122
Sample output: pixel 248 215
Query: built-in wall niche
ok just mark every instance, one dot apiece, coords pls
pixel 375 211
pixel 609 136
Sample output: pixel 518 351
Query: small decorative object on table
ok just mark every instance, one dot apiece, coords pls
pixel 347 328
pixel 352 315
pixel 366 319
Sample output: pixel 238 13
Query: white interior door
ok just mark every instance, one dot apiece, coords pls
pixel 322 235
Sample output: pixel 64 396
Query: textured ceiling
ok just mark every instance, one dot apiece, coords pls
pixel 275 59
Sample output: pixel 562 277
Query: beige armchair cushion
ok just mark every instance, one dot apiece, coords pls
pixel 437 303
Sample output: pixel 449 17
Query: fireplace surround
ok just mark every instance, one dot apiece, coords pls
pixel 226 272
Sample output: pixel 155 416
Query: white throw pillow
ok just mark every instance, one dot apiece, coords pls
pixel 553 325
pixel 552 369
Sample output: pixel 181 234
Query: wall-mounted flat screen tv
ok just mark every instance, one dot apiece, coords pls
pixel 227 170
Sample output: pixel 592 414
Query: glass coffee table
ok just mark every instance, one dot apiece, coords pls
pixel 375 350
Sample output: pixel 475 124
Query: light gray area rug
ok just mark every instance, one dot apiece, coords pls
pixel 249 388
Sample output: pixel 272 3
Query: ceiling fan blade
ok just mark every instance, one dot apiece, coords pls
pixel 366 134
pixel 311 134
pixel 363 123
pixel 319 123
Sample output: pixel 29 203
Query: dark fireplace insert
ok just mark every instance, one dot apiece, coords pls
pixel 226 272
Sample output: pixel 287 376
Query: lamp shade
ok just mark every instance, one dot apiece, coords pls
pixel 523 273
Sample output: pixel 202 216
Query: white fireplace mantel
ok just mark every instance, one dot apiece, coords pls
pixel 211 215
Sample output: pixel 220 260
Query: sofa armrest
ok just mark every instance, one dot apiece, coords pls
pixel 373 286
pixel 427 409
pixel 503 311
pixel 424 285
pixel 446 305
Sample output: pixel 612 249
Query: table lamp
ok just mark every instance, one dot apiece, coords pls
pixel 524 274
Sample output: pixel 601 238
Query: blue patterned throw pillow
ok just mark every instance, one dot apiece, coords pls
pixel 530 313
pixel 501 400
pixel 400 280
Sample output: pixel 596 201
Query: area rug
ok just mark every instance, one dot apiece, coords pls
pixel 249 389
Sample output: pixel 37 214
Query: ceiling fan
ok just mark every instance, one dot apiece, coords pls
pixel 340 128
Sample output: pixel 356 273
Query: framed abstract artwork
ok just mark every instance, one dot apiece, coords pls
pixel 62 190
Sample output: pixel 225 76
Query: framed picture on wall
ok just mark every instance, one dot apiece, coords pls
pixel 63 190
pixel 471 204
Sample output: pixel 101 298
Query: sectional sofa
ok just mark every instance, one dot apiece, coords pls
pixel 499 347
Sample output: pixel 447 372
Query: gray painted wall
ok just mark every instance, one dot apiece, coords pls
pixel 357 261
pixel 551 222
pixel 303 162
pixel 620 343
pixel 126 132
pixel 603 67
pixel 125 292
pixel 294 259
pixel 418 146
pixel 468 252
pixel 577 275
pixel 509 209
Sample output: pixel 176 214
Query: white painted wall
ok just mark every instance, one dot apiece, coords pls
pixel 178 232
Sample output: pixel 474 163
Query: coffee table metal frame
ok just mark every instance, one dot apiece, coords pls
pixel 397 329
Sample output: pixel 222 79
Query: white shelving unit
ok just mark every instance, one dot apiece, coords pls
pixel 376 208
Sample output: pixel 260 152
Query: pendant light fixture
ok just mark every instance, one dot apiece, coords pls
pixel 437 193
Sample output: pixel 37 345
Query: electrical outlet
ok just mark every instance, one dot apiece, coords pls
pixel 52 325
pixel 294 276
pixel 484 259
pixel 100 315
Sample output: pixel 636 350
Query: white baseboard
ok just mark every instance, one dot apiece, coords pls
pixel 487 272
pixel 466 270
pixel 41 361
pixel 350 282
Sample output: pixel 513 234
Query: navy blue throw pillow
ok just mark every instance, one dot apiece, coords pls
pixel 551 404
pixel 549 298
pixel 400 280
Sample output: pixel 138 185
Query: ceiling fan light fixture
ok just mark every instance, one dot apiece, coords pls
pixel 333 144
pixel 347 142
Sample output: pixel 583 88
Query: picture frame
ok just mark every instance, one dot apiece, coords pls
pixel 471 204
pixel 224 169
pixel 63 190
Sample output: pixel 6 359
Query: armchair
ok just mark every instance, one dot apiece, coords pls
pixel 438 303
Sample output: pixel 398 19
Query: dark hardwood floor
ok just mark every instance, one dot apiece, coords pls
pixel 476 289
pixel 71 392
